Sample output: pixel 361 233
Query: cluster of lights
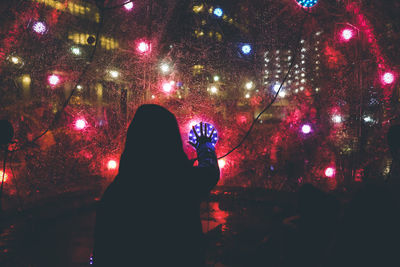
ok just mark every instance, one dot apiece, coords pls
pixel 210 128
pixel 39 27
pixel 307 3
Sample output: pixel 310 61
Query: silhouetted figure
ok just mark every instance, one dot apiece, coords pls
pixel 150 214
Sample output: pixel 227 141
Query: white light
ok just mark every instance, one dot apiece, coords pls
pixel 213 89
pixel 301 88
pixel 53 79
pixel 153 96
pixel 128 6
pixel 79 87
pixel 302 41
pixel 247 95
pixel 282 94
pixel 368 119
pixel 165 67
pixel 114 73
pixel 76 51
pixel 167 87
pixel 276 87
pixel 303 50
pixel 337 119
pixel 249 85
pixel 15 60
pixel 303 80
pixel 216 78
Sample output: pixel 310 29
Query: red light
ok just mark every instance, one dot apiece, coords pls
pixel 347 34
pixel 388 78
pixel 221 163
pixel 330 172
pixel 112 164
pixel 5 176
pixel 143 47
pixel 53 80
pixel 80 124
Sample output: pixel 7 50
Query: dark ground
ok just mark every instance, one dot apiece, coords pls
pixel 59 232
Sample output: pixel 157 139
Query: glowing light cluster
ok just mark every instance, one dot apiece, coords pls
pixel 306 129
pixel 307 3
pixel 330 172
pixel 218 12
pixel 5 176
pixel 128 6
pixel 210 127
pixel 347 34
pixel 80 124
pixel 388 78
pixel 39 27
pixel 53 80
pixel 246 49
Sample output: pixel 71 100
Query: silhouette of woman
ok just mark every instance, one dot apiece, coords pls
pixel 150 213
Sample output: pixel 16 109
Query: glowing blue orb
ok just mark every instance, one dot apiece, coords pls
pixel 218 12
pixel 307 3
pixel 246 49
pixel 210 127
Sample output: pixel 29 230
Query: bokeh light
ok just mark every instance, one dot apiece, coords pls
pixel 330 172
pixel 165 68
pixel 128 6
pixel 388 78
pixel 112 164
pixel 167 86
pixel 80 124
pixel 53 80
pixel 246 49
pixel 337 118
pixel 218 12
pixel 5 176
pixel 143 47
pixel 213 89
pixel 306 128
pixel 347 34
pixel 39 27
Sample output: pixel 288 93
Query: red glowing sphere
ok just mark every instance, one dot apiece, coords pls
pixel 388 78
pixel 143 47
pixel 5 176
pixel 330 172
pixel 347 34
pixel 80 124
pixel 112 164
pixel 53 79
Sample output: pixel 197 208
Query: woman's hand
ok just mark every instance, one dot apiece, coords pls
pixel 202 138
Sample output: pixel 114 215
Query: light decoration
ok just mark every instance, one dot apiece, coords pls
pixel 114 74
pixel 15 60
pixel 387 78
pixel 79 87
pixel 80 124
pixel 330 172
pixel 337 118
pixel 307 3
pixel 213 89
pixel 5 176
pixel 218 12
pixel 247 95
pixel 39 27
pixel 143 47
pixel 128 6
pixel 347 34
pixel 276 87
pixel 221 163
pixel 209 128
pixel 368 119
pixel 165 68
pixel 216 78
pixel 167 86
pixel 249 85
pixel 112 164
pixel 306 129
pixel 53 80
pixel 246 49
pixel 76 51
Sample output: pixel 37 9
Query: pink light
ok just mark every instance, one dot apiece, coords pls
pixel 5 176
pixel 112 164
pixel 388 78
pixel 128 6
pixel 306 129
pixel 330 172
pixel 39 27
pixel 80 124
pixel 347 34
pixel 143 47
pixel 167 87
pixel 221 163
pixel 53 80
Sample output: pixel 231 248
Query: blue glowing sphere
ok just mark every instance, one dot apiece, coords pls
pixel 307 3
pixel 218 12
pixel 246 49
pixel 210 127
